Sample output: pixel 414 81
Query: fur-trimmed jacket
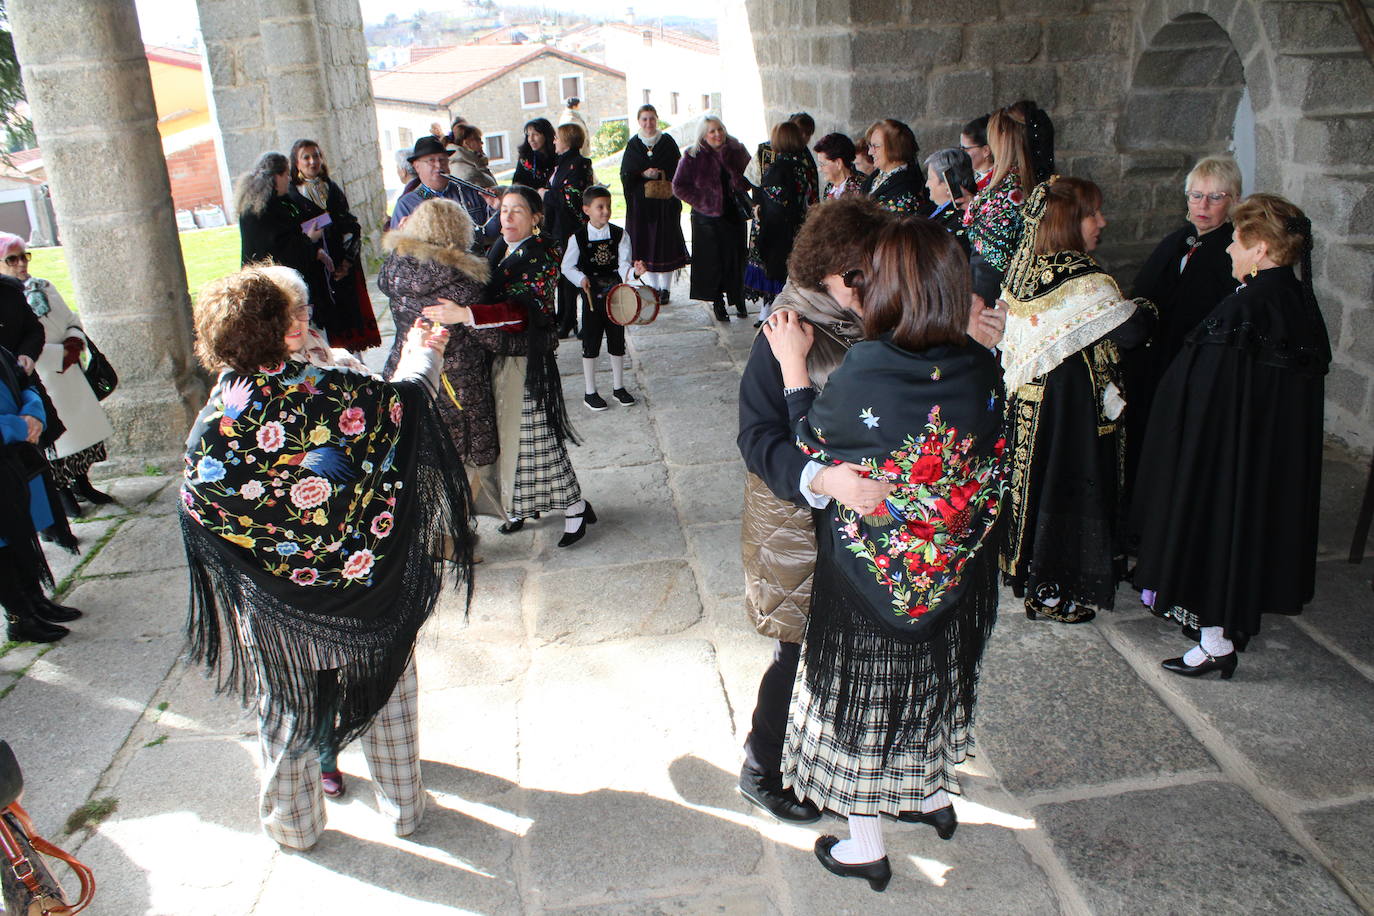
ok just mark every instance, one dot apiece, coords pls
pixel 415 274
pixel 698 179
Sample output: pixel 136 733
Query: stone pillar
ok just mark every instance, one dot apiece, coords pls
pixel 92 103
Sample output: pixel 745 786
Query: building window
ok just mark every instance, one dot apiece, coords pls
pixel 386 140
pixel 648 37
pixel 672 107
pixel 496 147
pixel 571 86
pixel 405 137
pixel 532 93
pixel 705 102
pixel 646 97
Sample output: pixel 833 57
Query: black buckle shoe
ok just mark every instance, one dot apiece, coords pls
pixel 53 612
pixel 588 516
pixel 33 629
pixel 768 793
pixel 877 874
pixel 1226 664
pixel 942 819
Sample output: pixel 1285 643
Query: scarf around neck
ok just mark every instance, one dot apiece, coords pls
pixel 314 507
pixel 316 190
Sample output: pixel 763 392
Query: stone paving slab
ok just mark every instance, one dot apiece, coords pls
pixel 1205 847
pixel 709 492
pixel 1343 483
pixel 575 607
pixel 718 391
pixel 697 435
pixel 140 545
pixel 1343 832
pixel 1339 611
pixel 682 360
pixel 1058 707
pixel 131 493
pixel 746 900
pixel 718 548
pixel 623 436
pixel 160 598
pixel 634 508
pixel 63 562
pixel 1297 713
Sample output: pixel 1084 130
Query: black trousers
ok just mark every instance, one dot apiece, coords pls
pixel 595 325
pixel 568 296
pixel 763 747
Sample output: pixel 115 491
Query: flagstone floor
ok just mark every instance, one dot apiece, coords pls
pixel 581 729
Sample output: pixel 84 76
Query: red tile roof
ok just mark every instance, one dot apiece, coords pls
pixel 174 56
pixel 439 79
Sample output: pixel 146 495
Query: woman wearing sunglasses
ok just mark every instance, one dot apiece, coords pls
pixel 59 368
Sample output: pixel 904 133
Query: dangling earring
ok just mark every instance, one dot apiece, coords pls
pixel 1254 270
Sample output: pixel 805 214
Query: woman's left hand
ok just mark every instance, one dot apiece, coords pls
pixel 987 325
pixel 447 311
pixel 790 339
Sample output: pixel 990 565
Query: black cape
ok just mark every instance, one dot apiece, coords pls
pixel 276 233
pixel 350 323
pixel 654 224
pixel 1230 477
pixel 904 192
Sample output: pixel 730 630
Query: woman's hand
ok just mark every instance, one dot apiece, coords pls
pixel 35 429
pixel 447 311
pixel 986 325
pixel 848 485
pixel 437 339
pixel 790 339
pixel 315 234
pixel 651 174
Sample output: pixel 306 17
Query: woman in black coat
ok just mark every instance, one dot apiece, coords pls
pixel 654 223
pixel 710 179
pixel 1230 477
pixel 781 201
pixel 270 227
pixel 572 175
pixel 535 158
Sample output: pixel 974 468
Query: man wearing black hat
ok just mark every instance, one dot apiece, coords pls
pixel 430 161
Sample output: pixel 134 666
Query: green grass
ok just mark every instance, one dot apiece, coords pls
pixel 208 253
pixel 92 813
pixel 156 741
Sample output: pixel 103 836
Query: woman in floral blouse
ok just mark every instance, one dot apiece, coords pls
pixel 780 204
pixel 897 184
pixel 994 220
pixel 316 507
pixel 905 591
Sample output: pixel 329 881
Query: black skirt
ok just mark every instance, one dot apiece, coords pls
pixel 718 254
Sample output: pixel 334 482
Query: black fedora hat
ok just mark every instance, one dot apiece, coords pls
pixel 427 146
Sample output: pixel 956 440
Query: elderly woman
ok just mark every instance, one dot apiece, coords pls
pixel 950 184
pixel 30 616
pixel 835 161
pixel 653 216
pixel 534 475
pixel 896 185
pixel 59 368
pixel 1066 324
pixel 535 158
pixel 710 179
pixel 429 264
pixel 1230 477
pixel 469 160
pixel 270 228
pixel 993 219
pixel 315 509
pixel 777 534
pixel 905 588
pixel 780 201
pixel 347 319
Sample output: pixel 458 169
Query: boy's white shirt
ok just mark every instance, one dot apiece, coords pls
pixel 570 257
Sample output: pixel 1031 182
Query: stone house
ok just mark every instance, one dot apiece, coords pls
pixel 678 74
pixel 496 87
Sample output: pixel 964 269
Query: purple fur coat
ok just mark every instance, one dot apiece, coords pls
pixel 697 181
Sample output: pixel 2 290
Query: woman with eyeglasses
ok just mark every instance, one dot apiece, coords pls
pixel 1186 276
pixel 59 368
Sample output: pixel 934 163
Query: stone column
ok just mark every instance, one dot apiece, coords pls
pixel 92 104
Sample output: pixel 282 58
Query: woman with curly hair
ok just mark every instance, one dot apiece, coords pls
pixel 270 229
pixel 1230 475
pixel 318 508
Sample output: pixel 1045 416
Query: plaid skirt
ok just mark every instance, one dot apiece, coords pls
pixel 819 768
pixel 544 477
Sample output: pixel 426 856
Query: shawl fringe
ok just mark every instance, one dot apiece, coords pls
pixel 925 688
pixel 259 637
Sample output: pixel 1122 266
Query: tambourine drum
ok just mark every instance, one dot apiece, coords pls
pixel 626 304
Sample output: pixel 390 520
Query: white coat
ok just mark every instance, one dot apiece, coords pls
pixel 71 394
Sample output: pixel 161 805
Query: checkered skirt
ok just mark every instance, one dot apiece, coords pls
pixel 544 476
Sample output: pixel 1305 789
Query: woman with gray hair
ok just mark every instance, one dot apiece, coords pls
pixel 708 179
pixel 942 168
pixel 270 225
pixel 1186 276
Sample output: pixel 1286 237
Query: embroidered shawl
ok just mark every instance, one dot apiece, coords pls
pixel 316 507
pixel 1058 304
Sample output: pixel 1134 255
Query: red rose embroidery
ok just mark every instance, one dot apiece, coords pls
pixel 917 611
pixel 882 561
pixel 352 421
pixel 921 530
pixel 1016 196
pixel 358 564
pixel 999 447
pixel 310 492
pixel 926 469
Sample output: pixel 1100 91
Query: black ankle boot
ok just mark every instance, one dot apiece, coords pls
pixel 719 308
pixel 84 490
pixel 768 793
pixel 49 610
pixel 69 504
pixel 25 624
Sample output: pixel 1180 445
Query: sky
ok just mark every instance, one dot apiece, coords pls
pixel 175 22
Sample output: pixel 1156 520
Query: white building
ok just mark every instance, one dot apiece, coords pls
pixel 678 74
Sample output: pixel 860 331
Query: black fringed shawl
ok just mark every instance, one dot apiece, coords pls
pixel 904 598
pixel 529 277
pixel 315 510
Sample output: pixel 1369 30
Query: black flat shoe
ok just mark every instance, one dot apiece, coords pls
pixel 767 792
pixel 510 527
pixel 942 819
pixel 1226 664
pixel 83 490
pixel 53 612
pixel 719 309
pixel 588 516
pixel 876 873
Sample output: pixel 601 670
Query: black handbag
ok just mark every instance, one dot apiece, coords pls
pixel 99 372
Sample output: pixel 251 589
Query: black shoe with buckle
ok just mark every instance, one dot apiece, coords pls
pixel 594 401
pixel 1226 664
pixel 588 517
pixel 942 819
pixel 623 397
pixel 768 793
pixel 877 874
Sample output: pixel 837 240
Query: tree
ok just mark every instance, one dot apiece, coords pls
pixel 18 128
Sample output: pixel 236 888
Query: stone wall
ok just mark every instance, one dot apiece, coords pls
pixel 1138 89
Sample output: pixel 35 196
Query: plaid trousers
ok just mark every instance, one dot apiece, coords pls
pixel 291 806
